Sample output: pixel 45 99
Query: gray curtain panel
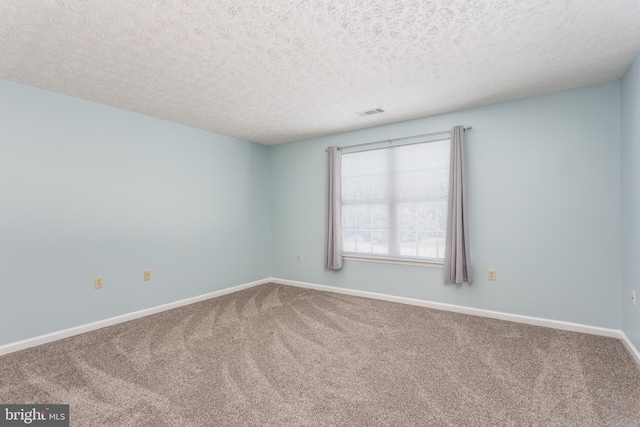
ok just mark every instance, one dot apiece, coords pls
pixel 457 258
pixel 333 259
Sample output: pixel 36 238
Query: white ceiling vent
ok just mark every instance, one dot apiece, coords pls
pixel 371 112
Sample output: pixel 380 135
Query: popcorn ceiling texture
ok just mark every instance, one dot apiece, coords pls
pixel 277 71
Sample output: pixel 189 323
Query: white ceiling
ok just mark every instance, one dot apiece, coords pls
pixel 273 71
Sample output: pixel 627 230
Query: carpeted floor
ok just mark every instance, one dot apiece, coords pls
pixel 276 355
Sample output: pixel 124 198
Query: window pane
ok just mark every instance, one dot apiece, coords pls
pixel 363 241
pixel 348 217
pixel 422 229
pixel 348 240
pixel 365 228
pixel 363 216
pixel 365 177
pixel 380 242
pixel 408 243
pixel 431 245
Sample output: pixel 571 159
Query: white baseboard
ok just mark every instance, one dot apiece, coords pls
pixel 555 324
pixel 537 321
pixel 630 347
pixel 54 336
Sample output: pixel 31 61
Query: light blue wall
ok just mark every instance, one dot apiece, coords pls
pixel 631 202
pixel 544 195
pixel 88 190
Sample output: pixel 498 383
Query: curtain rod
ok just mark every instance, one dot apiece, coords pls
pixel 400 139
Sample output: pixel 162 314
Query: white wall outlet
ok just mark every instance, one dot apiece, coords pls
pixel 492 274
pixel 634 300
pixel 297 258
pixel 147 275
pixel 97 282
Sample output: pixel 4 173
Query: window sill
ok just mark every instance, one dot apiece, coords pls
pixel 421 263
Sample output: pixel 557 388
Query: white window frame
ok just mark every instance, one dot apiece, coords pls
pixel 381 258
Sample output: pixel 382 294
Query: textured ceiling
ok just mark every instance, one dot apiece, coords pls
pixel 274 71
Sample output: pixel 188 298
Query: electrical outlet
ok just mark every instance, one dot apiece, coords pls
pixel 297 258
pixel 633 297
pixel 492 274
pixel 147 275
pixel 97 282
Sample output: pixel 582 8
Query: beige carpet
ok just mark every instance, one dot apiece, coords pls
pixel 283 356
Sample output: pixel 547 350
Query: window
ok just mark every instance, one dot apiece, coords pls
pixel 394 201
